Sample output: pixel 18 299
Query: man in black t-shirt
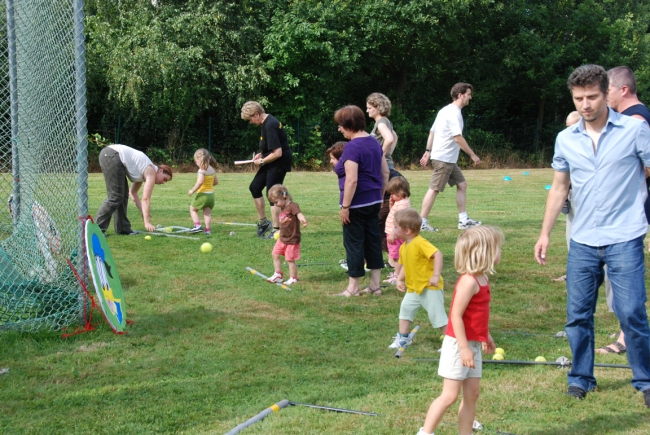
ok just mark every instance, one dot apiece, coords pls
pixel 274 161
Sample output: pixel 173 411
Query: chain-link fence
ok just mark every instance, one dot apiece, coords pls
pixel 43 163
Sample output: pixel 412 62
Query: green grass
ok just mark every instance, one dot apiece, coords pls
pixel 212 345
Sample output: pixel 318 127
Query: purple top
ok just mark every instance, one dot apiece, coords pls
pixel 367 153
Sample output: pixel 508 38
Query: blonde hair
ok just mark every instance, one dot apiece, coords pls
pixel 250 108
pixel 379 102
pixel 477 250
pixel 277 192
pixel 205 159
pixel 399 185
pixel 572 118
pixel 409 219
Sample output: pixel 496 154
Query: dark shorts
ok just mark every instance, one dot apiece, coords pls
pixel 264 179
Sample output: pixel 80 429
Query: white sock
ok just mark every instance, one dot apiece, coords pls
pixel 462 217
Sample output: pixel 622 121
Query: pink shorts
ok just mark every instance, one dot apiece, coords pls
pixel 393 248
pixel 290 252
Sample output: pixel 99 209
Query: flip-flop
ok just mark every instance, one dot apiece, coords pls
pixel 347 293
pixel 609 349
pixel 375 292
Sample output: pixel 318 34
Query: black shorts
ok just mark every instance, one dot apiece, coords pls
pixel 262 179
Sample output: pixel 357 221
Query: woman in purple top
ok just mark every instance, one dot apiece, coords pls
pixel 363 173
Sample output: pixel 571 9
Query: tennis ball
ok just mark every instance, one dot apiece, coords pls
pixel 540 359
pixel 206 247
pixel 276 235
pixel 442 337
pixel 147 237
pixel 499 351
pixel 167 230
pixel 497 356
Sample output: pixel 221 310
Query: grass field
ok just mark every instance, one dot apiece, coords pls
pixel 212 345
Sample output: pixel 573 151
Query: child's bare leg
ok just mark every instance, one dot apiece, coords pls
pixel 449 395
pixel 277 262
pixel 293 269
pixel 467 410
pixel 207 217
pixel 404 326
pixel 194 214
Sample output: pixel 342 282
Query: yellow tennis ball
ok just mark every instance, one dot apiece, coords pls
pixel 497 356
pixel 166 230
pixel 276 235
pixel 540 359
pixel 206 247
pixel 499 351
pixel 147 237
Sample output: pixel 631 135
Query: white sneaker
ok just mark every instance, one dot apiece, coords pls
pixel 426 227
pixel 400 341
pixel 276 277
pixel 469 223
pixel 290 281
pixel 422 432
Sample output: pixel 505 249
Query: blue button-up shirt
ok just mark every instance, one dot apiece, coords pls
pixel 609 186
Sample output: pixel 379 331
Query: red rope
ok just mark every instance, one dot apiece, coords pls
pixel 87 316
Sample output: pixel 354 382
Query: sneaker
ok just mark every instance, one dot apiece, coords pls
pixel 566 207
pixel 196 229
pixel 390 278
pixel 400 342
pixel 207 233
pixel 426 227
pixel 130 233
pixel 422 432
pixel 579 393
pixel 276 277
pixel 263 227
pixel 290 281
pixel 469 223
pixel 646 396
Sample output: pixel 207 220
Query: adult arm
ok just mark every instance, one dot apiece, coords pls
pixel 556 197
pixel 199 181
pixel 149 183
pixel 462 143
pixel 437 269
pixel 466 288
pixel 275 154
pixel 388 138
pixel 350 187
pixel 385 174
pixel 427 154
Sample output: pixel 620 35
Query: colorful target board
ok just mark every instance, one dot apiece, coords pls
pixel 105 277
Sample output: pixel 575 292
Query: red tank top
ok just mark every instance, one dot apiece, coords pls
pixel 476 315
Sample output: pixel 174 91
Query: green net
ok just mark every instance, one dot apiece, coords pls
pixel 43 163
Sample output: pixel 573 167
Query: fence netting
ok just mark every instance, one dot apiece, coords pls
pixel 43 164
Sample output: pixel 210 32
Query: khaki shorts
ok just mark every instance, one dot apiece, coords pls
pixel 444 173
pixel 451 365
pixel 433 301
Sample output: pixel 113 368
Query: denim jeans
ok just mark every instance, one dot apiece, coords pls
pixel 625 267
pixel 362 240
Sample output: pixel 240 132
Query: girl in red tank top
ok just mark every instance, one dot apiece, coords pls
pixel 478 250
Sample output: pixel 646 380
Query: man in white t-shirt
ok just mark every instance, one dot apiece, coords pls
pixel 443 146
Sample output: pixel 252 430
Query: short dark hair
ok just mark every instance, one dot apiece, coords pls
pixel 459 88
pixel 622 76
pixel 589 75
pixel 336 150
pixel 350 118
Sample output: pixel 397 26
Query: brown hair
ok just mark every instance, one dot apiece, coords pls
pixel 350 118
pixel 459 88
pixel 409 219
pixel 166 170
pixel 589 75
pixel 278 191
pixel 399 185
pixel 477 249
pixel 379 102
pixel 336 150
pixel 205 159
pixel 250 108
pixel 622 76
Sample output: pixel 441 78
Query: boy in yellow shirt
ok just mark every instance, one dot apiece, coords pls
pixel 420 277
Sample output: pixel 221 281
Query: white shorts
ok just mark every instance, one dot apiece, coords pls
pixel 451 365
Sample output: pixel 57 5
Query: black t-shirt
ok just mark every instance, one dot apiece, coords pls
pixel 274 136
pixel 641 109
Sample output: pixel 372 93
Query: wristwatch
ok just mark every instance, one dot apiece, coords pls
pixel 262 162
pixel 344 207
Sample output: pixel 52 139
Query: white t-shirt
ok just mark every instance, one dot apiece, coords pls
pixel 134 161
pixel 448 123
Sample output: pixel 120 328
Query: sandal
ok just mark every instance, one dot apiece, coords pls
pixel 376 292
pixel 347 293
pixel 610 349
pixel 616 335
pixel 559 279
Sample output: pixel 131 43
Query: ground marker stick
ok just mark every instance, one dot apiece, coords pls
pixel 236 223
pixel 255 272
pixel 535 363
pixel 400 351
pixel 259 417
pixel 329 408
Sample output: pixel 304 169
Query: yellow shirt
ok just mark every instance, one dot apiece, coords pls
pixel 208 183
pixel 417 258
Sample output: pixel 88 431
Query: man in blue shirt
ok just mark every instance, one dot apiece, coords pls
pixel 602 157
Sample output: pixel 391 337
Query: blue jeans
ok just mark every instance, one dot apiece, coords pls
pixel 625 267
